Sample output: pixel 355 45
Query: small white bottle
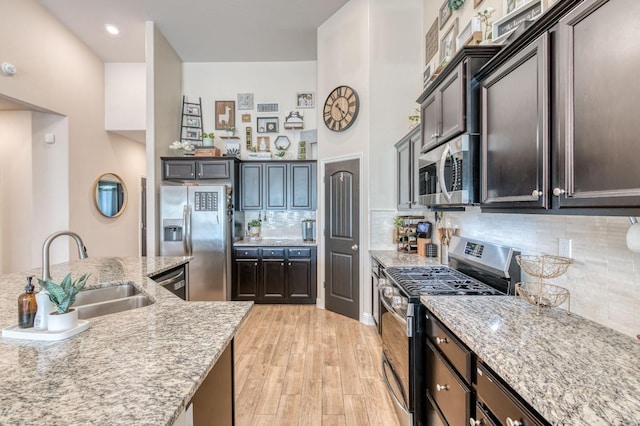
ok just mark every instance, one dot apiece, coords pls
pixel 44 308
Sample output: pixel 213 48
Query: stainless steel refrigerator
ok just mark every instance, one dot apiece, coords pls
pixel 196 221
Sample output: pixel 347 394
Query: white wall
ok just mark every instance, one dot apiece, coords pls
pixel 58 73
pixel 268 81
pixel 372 46
pixel 126 99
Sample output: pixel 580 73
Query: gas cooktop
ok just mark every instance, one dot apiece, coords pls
pixel 438 280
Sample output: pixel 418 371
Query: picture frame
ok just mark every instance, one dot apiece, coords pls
pixel 425 76
pixel 246 118
pixel 476 3
pixel 431 42
pixel 192 121
pixel 191 109
pixel 444 14
pixel 506 25
pixel 470 34
pixel 262 144
pixel 245 101
pixel 305 100
pixel 225 114
pixel 448 42
pixel 509 6
pixel 194 134
pixel 267 125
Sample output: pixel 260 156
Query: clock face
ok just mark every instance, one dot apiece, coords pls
pixel 341 108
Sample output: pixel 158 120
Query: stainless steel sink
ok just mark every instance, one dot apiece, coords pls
pixel 109 300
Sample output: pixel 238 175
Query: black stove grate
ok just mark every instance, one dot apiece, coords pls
pixel 438 280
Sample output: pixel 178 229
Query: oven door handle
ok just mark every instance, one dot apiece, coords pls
pixel 441 181
pixel 391 310
pixel 401 404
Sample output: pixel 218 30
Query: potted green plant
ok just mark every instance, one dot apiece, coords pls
pixel 230 131
pixel 208 138
pixel 63 295
pixel 254 228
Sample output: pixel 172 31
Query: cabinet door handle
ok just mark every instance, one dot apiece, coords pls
pixel 558 191
pixel 445 388
pixel 474 422
pixel 255 264
pixel 513 422
pixel 282 264
pixel 441 341
pixel 537 194
pixel 289 263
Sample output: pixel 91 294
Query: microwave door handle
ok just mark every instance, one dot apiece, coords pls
pixel 441 181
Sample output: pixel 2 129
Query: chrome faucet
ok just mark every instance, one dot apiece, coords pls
pixel 82 250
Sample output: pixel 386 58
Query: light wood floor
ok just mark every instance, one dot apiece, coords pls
pixel 299 365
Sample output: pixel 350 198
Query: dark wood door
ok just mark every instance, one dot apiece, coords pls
pixel 342 237
pixel 251 183
pixel 597 105
pixel 452 105
pixel 246 279
pixel 515 131
pixel 299 279
pixel 275 186
pixel 273 280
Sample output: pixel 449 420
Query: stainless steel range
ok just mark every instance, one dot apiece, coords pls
pixel 477 269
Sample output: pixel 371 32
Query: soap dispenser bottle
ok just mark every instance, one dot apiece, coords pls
pixel 44 308
pixel 27 306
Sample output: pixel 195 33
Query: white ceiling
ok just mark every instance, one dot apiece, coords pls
pixel 200 30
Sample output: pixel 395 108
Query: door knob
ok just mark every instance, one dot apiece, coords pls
pixel 354 247
pixel 558 192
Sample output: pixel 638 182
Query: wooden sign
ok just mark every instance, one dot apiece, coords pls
pixel 431 43
pixel 505 26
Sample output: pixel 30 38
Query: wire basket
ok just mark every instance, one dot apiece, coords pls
pixel 543 295
pixel 544 266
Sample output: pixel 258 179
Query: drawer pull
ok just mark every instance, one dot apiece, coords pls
pixel 246 253
pixel 446 388
pixel 513 422
pixel 474 422
pixel 441 341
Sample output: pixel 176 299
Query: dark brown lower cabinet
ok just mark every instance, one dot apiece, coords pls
pixel 213 402
pixel 275 274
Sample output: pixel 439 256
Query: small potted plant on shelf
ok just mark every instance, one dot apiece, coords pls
pixel 63 295
pixel 230 131
pixel 254 228
pixel 208 138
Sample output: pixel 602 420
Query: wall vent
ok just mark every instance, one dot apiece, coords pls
pixel 268 107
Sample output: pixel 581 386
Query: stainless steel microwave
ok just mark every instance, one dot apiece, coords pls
pixel 449 173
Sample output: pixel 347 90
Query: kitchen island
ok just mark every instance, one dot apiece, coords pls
pixel 141 366
pixel 571 370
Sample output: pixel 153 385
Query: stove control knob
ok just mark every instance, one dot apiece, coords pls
pixel 389 291
pixel 398 302
pixel 382 282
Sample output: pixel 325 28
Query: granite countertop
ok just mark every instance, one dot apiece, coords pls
pixel 275 242
pixel 135 367
pixel 390 258
pixel 573 371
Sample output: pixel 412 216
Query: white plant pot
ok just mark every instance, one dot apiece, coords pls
pixel 207 141
pixel 62 322
pixel 254 231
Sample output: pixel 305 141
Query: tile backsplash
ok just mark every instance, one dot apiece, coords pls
pixel 604 281
pixel 280 224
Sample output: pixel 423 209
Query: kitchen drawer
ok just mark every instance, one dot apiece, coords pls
pixel 272 253
pixel 500 401
pixel 482 417
pixel 452 349
pixel 448 391
pixel 247 253
pixel 300 253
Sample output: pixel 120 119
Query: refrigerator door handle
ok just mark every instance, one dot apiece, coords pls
pixel 186 235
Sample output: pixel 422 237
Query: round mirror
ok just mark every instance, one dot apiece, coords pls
pixel 110 195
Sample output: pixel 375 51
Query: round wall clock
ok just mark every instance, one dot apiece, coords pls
pixel 341 108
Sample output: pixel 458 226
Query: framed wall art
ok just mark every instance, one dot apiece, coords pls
pixel 445 13
pixel 267 125
pixel 470 34
pixel 528 11
pixel 263 143
pixel 448 42
pixel 225 114
pixel 191 109
pixel 246 118
pixel 245 101
pixel 431 42
pixel 305 100
pixel 191 121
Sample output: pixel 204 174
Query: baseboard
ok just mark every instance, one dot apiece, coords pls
pixel 367 319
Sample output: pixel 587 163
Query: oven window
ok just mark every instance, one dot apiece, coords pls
pixel 395 347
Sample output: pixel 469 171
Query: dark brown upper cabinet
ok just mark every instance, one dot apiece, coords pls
pixel 449 105
pixel 408 153
pixel 515 130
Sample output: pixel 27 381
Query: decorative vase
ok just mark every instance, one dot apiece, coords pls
pixel 62 322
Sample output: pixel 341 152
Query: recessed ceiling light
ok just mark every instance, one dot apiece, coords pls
pixel 112 29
